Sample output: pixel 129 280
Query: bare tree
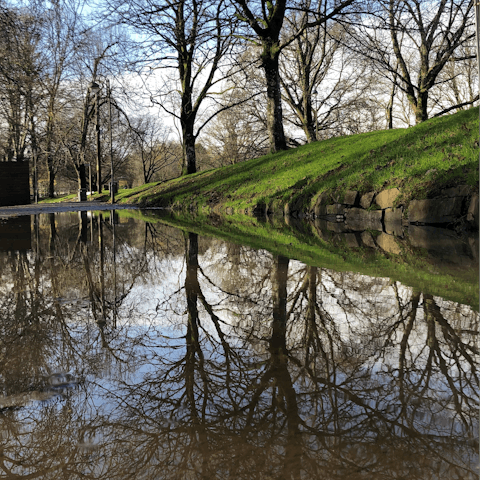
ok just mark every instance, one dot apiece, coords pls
pixel 75 138
pixel 412 41
pixel 323 82
pixel 61 32
pixel 266 20
pixel 304 65
pixel 152 147
pixel 190 39
pixel 456 89
pixel 239 132
pixel 19 76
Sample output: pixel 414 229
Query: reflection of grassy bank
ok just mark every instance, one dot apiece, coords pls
pixel 411 267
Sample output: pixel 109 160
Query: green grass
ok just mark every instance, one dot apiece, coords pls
pixel 67 198
pixel 421 160
pixel 124 194
pixel 441 152
pixel 121 196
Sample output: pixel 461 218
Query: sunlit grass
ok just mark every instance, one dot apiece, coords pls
pixel 439 153
pixel 66 198
pixel 122 194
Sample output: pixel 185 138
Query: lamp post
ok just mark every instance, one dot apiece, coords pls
pixel 35 174
pixel 90 177
pixel 29 152
pixel 95 88
pixel 112 183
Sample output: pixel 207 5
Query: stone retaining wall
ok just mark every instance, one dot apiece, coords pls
pixel 383 211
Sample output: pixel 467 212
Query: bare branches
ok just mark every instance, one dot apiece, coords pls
pixel 192 39
pixel 423 38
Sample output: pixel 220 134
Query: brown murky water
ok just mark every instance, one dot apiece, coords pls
pixel 136 351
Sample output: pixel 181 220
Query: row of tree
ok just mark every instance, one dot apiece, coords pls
pixel 250 77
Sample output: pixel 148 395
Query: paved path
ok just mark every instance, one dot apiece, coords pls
pixel 33 209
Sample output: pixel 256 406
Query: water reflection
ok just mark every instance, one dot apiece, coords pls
pixel 134 350
pixel 15 234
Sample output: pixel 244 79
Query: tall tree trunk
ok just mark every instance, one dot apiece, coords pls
pixel 270 66
pixel 81 176
pixel 187 120
pixel 34 145
pixel 309 120
pixel 389 110
pixel 51 180
pixel 144 166
pixel 188 144
pixel 49 159
pixel 421 113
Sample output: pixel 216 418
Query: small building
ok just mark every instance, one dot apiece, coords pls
pixel 14 183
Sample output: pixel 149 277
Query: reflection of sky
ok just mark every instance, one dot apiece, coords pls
pixel 122 375
pixel 354 325
pixel 149 295
pixel 161 303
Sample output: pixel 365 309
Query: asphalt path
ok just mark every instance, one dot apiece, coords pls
pixel 33 209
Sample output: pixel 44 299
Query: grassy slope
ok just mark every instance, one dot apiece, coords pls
pixel 442 152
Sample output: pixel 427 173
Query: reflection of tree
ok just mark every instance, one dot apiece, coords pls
pixel 287 397
pixel 48 292
pixel 448 365
pixel 368 393
pixel 49 347
pixel 344 409
pixel 21 328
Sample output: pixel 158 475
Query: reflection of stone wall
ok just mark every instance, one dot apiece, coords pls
pixel 441 245
pixel 15 234
pixel 14 183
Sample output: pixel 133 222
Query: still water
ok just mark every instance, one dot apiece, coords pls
pixel 133 350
